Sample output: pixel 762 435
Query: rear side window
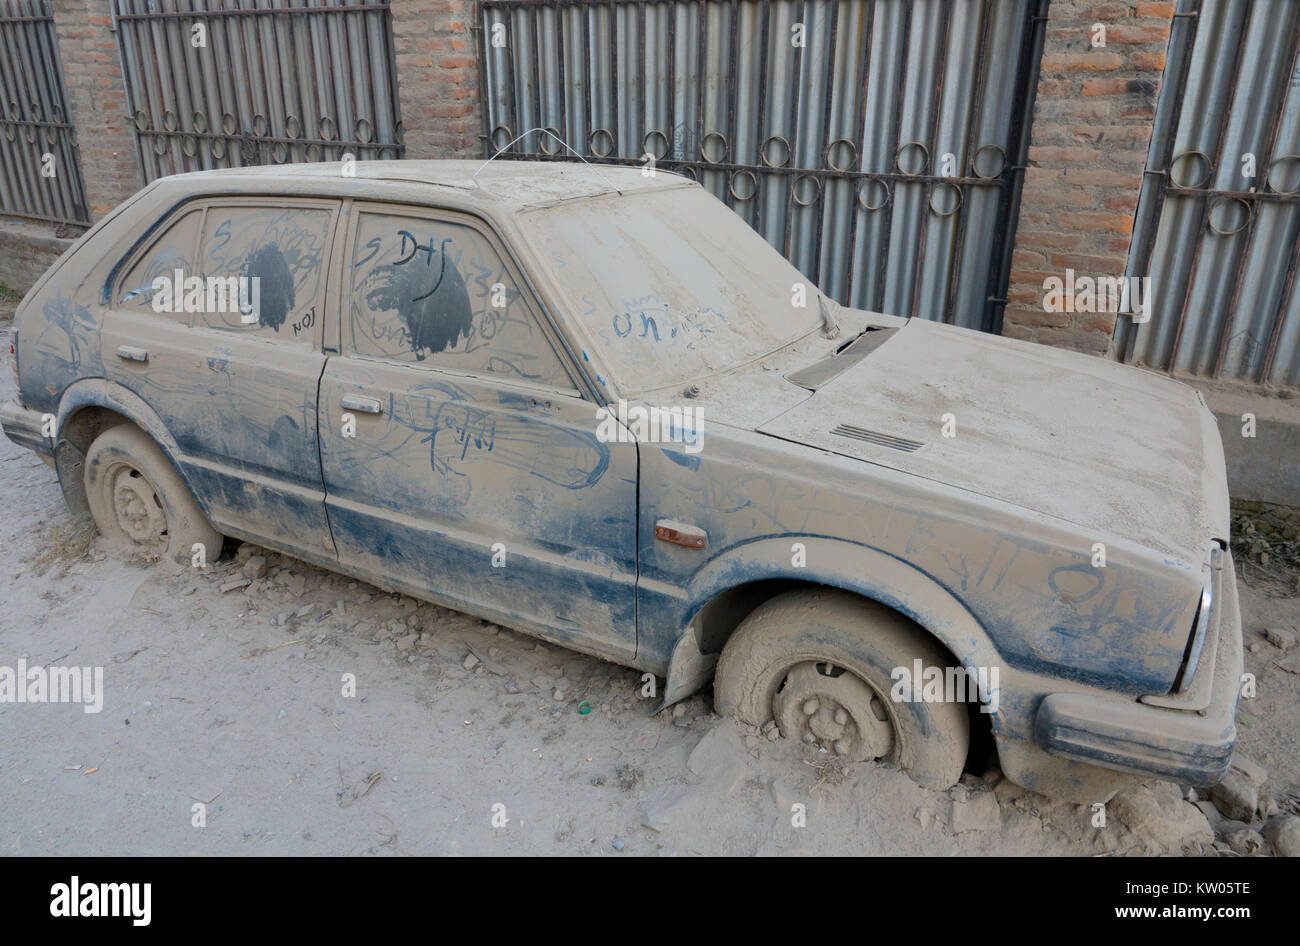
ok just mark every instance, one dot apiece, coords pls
pixel 171 253
pixel 285 249
pixel 438 292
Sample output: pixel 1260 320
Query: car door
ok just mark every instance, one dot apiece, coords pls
pixel 237 391
pixel 460 459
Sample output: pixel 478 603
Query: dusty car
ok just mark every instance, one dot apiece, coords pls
pixel 597 407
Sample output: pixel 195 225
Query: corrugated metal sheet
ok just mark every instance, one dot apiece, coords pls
pixel 1220 244
pixel 833 149
pixel 34 120
pixel 277 81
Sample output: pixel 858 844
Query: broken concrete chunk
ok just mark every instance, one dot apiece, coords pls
pixel 255 567
pixel 296 584
pixel 234 584
pixel 470 662
pixel 1280 638
pixel 1245 841
pixel 1283 833
pixel 1236 796
pixel 1161 816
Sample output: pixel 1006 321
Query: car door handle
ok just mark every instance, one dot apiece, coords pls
pixel 365 405
pixel 131 353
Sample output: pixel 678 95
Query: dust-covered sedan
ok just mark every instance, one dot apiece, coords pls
pixel 597 407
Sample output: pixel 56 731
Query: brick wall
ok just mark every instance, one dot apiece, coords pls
pixel 1088 146
pixel 97 102
pixel 437 77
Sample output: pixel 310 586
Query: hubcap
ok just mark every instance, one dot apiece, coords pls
pixel 137 507
pixel 823 705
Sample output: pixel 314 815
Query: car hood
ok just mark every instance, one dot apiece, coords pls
pixel 1112 449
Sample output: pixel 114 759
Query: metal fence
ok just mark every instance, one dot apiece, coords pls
pixel 230 83
pixel 877 143
pixel 40 166
pixel 1218 224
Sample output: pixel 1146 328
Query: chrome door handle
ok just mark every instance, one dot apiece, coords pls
pixel 131 353
pixel 364 405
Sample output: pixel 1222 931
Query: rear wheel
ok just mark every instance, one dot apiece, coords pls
pixel 135 494
pixel 819 662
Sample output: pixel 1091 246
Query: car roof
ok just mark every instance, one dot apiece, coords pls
pixel 509 184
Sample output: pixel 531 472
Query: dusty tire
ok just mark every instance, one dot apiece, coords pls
pixel 781 663
pixel 136 495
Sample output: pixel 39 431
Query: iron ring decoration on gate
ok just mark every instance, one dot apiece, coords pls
pixel 229 123
pixel 1173 164
pixel 853 155
pixel 159 143
pixel 785 158
pixel 975 158
pixel 1218 202
pixel 925 161
pixel 189 146
pixel 170 121
pixel 544 142
pixel 292 126
pixel 212 147
pixel 264 129
pixel 645 144
pixel 591 142
pixel 889 194
pixel 312 152
pixel 704 148
pixel 753 184
pixel 504 129
pixel 200 122
pixel 279 152
pixel 1268 175
pixel 961 198
pixel 794 190
pixel 365 130
pixel 329 130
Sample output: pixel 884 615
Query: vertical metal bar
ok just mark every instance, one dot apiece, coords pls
pixel 859 134
pixel 1265 159
pixel 615 86
pixel 1145 243
pixel 828 90
pixel 1283 302
pixel 586 74
pixel 564 85
pixel 795 76
pixel 1207 201
pixel 932 144
pixel 733 63
pixel 967 159
pixel 892 153
pixel 1022 109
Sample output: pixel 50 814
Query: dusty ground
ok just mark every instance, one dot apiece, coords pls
pixel 209 700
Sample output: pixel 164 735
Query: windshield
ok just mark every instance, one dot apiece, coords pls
pixel 671 284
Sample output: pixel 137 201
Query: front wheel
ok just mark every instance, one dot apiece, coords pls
pixel 821 664
pixel 135 494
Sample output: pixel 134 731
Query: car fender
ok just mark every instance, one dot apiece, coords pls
pixel 100 392
pixel 840 564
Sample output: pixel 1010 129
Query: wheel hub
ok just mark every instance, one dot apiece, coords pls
pixel 139 511
pixel 827 706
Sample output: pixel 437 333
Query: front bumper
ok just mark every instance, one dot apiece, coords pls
pixel 23 427
pixel 1184 745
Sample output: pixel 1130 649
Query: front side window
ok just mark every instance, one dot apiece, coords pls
pixel 171 253
pixel 285 249
pixel 438 292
